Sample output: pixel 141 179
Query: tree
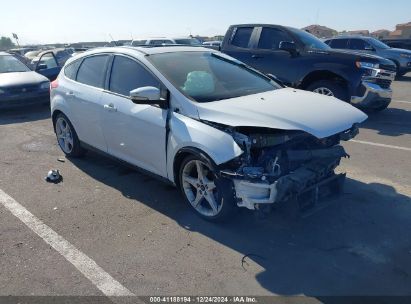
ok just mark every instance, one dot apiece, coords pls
pixel 6 43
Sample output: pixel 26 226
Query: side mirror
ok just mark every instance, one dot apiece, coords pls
pixel 148 95
pixel 41 66
pixel 288 46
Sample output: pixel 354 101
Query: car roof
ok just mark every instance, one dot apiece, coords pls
pixel 147 50
pixel 141 50
pixel 350 37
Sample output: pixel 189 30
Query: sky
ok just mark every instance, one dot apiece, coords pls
pixel 52 21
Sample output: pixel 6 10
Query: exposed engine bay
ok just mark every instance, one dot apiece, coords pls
pixel 279 165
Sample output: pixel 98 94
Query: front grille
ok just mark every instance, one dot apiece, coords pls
pixel 388 67
pixel 383 83
pixel 23 89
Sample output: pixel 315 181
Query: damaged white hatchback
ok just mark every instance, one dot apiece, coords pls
pixel 225 134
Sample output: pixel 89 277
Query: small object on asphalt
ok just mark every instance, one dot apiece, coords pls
pixel 55 208
pixel 62 160
pixel 54 177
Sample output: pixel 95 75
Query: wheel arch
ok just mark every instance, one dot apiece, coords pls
pixel 322 75
pixel 182 154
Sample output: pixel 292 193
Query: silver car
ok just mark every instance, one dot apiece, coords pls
pixel 225 134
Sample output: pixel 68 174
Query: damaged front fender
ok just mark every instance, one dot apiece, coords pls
pixel 186 132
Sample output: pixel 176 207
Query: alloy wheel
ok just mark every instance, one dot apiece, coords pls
pixel 200 189
pixel 324 91
pixel 64 135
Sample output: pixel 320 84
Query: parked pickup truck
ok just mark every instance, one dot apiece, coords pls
pixel 301 60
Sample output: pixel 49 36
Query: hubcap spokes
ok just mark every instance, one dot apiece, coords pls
pixel 64 136
pixel 324 91
pixel 199 188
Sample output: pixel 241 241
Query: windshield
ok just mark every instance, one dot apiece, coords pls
pixel 309 40
pixel 206 77
pixel 188 41
pixel 9 64
pixel 378 44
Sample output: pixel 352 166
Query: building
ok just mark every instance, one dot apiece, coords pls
pixel 320 31
pixel 401 31
pixel 359 32
pixel 380 34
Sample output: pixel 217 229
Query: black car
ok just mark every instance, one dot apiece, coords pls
pixel 20 86
pixel 301 60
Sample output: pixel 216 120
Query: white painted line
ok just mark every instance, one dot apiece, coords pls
pixel 380 145
pixel 402 101
pixel 101 279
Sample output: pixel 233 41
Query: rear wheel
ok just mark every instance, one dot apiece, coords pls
pixel 211 196
pixel 329 88
pixel 67 136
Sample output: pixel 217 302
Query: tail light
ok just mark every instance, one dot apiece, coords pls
pixel 54 84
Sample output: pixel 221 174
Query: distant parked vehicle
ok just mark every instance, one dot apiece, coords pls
pixel 401 57
pixel 212 44
pixel 32 54
pixel 60 54
pixel 19 86
pixel 21 51
pixel 398 43
pixel 302 61
pixel 166 40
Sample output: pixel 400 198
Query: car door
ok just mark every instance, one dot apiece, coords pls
pixel 267 57
pixel 48 66
pixel 134 133
pixel 239 45
pixel 84 98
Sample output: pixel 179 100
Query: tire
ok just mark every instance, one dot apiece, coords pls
pixel 211 196
pixel 329 88
pixel 67 137
pixel 380 108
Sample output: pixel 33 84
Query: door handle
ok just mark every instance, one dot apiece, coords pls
pixel 70 94
pixel 110 107
pixel 256 56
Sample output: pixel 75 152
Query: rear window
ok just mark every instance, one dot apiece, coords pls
pixel 242 37
pixel 71 70
pixel 92 71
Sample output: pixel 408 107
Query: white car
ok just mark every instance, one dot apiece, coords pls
pixel 223 133
pixel 155 41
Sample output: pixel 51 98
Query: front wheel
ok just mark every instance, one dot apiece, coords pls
pixel 329 88
pixel 211 196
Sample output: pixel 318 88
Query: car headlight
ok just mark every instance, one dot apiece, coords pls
pixel 406 56
pixel 366 65
pixel 45 85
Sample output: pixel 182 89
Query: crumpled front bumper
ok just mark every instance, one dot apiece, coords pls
pixel 373 97
pixel 316 178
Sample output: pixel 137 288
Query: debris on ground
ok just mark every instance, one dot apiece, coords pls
pixel 62 160
pixel 243 260
pixel 54 176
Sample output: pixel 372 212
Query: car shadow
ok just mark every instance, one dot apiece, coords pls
pixel 405 78
pixel 390 122
pixel 358 245
pixel 24 114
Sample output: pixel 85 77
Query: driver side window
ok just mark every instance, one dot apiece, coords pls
pixel 127 75
pixel 270 38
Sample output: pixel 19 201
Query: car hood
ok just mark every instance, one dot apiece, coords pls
pixel 285 109
pixel 21 78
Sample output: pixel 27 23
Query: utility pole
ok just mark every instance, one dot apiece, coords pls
pixel 17 39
